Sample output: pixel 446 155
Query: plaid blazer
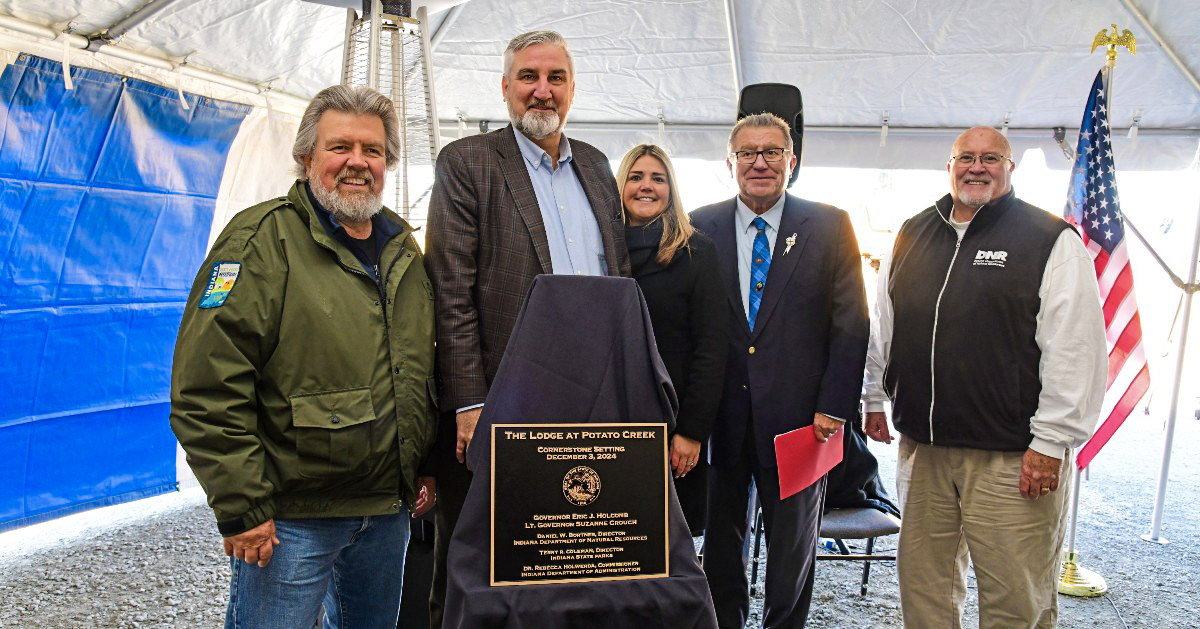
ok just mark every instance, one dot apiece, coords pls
pixel 486 242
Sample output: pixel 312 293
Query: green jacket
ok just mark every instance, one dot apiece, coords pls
pixel 300 395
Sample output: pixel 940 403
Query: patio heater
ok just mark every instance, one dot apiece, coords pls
pixel 387 49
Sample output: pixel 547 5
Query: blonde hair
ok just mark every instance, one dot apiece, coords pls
pixel 677 229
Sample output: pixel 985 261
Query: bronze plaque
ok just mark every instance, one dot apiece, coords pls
pixel 578 502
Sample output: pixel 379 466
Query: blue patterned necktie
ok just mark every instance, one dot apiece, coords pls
pixel 760 262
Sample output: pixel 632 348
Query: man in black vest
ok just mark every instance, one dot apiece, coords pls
pixel 989 342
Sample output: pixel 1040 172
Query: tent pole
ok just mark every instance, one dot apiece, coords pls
pixel 1170 52
pixel 443 28
pixel 427 52
pixel 735 49
pixel 128 23
pixel 344 71
pixel 1161 494
pixel 1074 509
pixel 374 45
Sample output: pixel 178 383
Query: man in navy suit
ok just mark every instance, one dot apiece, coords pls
pixel 798 342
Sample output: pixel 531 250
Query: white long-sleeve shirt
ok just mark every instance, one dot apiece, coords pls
pixel 1069 333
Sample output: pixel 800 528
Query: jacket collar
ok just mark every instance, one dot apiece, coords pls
pixel 593 176
pixel 381 225
pixel 784 259
pixel 389 224
pixel 643 242
pixel 987 214
pixel 535 155
pixel 516 177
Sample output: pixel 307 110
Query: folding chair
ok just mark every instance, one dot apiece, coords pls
pixel 858 523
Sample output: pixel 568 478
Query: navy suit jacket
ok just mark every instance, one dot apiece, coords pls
pixel 809 344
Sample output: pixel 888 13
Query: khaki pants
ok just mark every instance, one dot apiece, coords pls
pixel 960 501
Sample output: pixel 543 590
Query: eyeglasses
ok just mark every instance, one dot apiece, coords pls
pixel 988 159
pixel 749 157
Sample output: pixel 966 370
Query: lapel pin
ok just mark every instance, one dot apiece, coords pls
pixel 791 240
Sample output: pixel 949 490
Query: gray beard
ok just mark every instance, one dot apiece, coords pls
pixel 536 125
pixel 974 201
pixel 347 210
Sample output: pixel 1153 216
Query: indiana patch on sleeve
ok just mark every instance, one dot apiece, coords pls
pixel 220 283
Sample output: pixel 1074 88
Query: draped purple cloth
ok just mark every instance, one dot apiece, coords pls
pixel 582 351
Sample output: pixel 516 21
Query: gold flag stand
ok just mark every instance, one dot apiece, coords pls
pixel 1074 579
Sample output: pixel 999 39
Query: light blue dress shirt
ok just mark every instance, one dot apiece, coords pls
pixel 576 247
pixel 743 228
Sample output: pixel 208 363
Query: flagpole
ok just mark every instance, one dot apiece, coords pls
pixel 1189 288
pixel 1074 579
pixel 1161 494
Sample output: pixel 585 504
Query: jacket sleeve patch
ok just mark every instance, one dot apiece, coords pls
pixel 220 283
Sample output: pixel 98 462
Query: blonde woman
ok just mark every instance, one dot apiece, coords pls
pixel 676 267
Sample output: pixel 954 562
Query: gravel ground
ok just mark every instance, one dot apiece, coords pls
pixel 157 562
pixel 151 563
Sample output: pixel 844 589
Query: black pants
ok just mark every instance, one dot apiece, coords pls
pixel 792 527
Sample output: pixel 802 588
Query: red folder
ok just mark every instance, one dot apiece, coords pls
pixel 803 460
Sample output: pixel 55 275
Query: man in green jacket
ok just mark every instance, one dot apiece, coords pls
pixel 302 389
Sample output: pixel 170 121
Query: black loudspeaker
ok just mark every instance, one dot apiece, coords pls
pixel 403 8
pixel 782 100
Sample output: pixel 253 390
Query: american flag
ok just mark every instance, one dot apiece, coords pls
pixel 1093 207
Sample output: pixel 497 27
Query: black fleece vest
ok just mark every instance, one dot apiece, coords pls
pixel 963 367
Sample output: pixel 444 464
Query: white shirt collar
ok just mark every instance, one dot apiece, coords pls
pixel 746 216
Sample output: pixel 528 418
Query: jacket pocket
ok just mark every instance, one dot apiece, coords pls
pixel 333 432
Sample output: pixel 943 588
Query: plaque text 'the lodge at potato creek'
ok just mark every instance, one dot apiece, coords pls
pixel 578 502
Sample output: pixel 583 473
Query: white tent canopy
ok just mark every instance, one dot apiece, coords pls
pixel 930 68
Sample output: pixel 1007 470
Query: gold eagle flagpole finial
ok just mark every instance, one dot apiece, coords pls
pixel 1125 38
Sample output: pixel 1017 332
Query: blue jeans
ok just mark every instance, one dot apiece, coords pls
pixel 354 567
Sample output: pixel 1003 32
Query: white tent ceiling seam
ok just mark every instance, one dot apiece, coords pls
pixel 45 34
pixel 451 124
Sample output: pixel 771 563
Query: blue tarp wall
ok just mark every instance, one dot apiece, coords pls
pixel 107 194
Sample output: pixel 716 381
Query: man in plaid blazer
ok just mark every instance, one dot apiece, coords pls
pixel 507 206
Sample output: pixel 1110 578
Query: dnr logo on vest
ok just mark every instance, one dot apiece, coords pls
pixel 990 258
